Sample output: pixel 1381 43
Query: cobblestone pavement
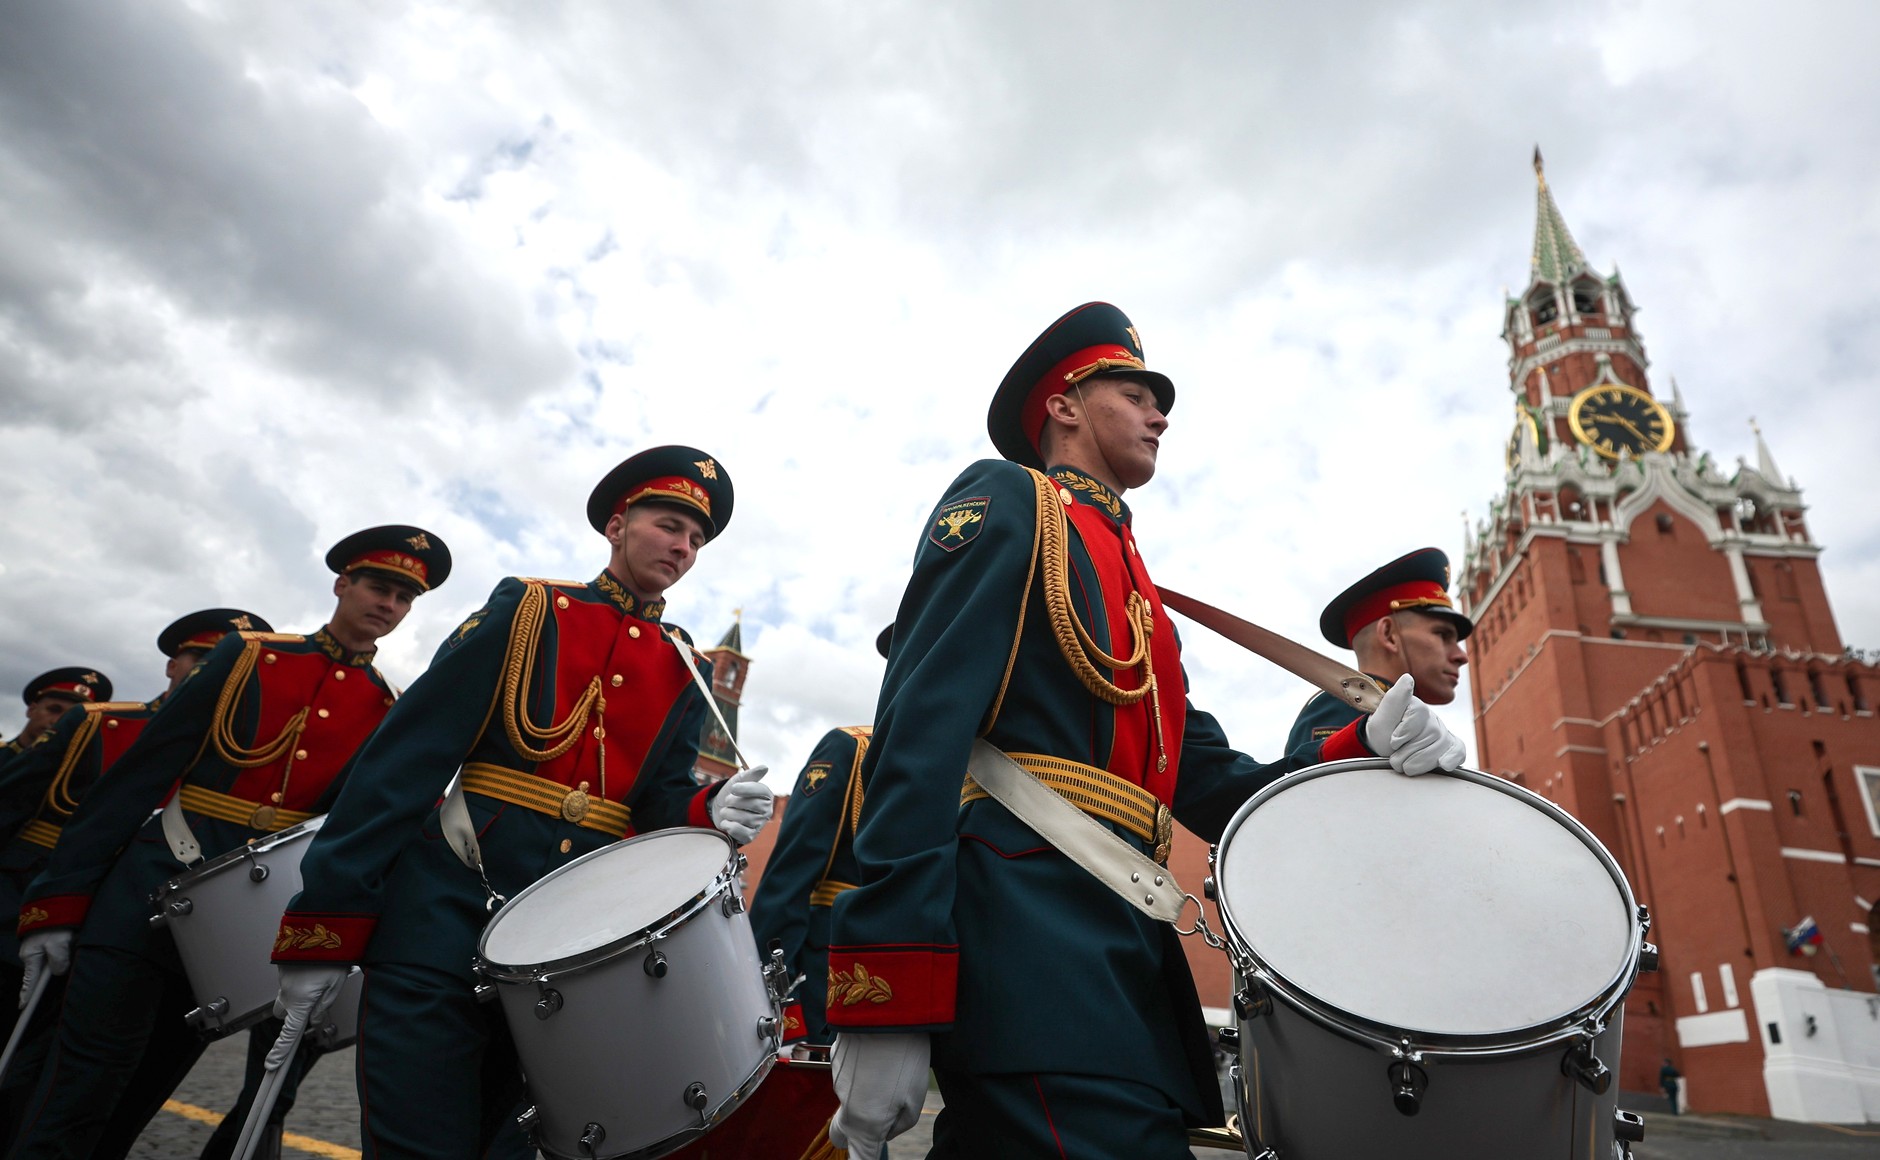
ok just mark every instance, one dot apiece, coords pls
pixel 325 1123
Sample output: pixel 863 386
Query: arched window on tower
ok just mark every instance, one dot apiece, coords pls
pixel 1544 305
pixel 1586 298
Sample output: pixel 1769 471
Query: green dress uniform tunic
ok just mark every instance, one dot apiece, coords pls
pixel 259 735
pixel 812 862
pixel 37 795
pixel 576 724
pixel 1321 717
pixel 1032 975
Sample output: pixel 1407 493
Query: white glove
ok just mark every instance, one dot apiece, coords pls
pixel 47 951
pixel 1404 730
pixel 743 804
pixel 882 1083
pixel 307 992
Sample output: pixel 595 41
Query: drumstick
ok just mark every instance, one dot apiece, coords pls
pixel 26 1016
pixel 257 1123
pixel 1347 684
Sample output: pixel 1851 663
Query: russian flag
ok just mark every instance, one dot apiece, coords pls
pixel 1803 937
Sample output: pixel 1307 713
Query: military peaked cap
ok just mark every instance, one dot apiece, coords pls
pixel 204 630
pixel 82 685
pixel 1418 582
pixel 398 550
pixel 1094 340
pixel 682 476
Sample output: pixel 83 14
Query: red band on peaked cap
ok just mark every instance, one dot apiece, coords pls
pixel 1412 594
pixel 671 488
pixel 401 564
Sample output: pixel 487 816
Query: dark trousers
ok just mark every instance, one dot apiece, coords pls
pixel 261 1039
pixel 29 1059
pixel 438 1076
pixel 1055 1117
pixel 119 1050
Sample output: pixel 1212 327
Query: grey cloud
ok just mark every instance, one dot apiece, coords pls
pixel 284 211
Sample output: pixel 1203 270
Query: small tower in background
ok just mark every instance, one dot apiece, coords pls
pixel 716 759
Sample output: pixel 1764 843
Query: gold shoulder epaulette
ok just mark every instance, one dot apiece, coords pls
pixel 114 706
pixel 553 583
pixel 274 637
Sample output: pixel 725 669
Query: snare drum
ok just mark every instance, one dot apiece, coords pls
pixel 224 915
pixel 632 986
pixel 1430 967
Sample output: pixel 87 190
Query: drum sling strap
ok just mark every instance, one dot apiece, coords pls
pixel 1133 875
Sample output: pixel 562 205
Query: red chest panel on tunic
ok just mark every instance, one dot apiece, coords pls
pixel 641 677
pixel 115 735
pixel 344 705
pixel 1120 571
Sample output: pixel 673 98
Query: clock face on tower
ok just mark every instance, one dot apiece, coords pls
pixel 1611 418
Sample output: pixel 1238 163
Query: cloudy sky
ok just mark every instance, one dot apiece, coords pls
pixel 271 273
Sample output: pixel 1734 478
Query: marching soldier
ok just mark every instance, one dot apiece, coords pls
pixel 259 736
pixel 39 793
pixel 813 862
pixel 49 696
pixel 1059 1019
pixel 1399 620
pixel 575 722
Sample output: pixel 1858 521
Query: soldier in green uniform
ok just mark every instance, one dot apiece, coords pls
pixel 1399 620
pixel 38 795
pixel 813 862
pixel 50 696
pixel 1060 1020
pixel 256 738
pixel 575 722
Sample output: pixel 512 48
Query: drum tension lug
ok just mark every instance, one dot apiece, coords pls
pixel 1648 957
pixel 1228 1038
pixel 767 1027
pixel 1628 1126
pixel 1209 890
pixel 1587 1068
pixel 1252 1001
pixel 484 992
pixel 697 1099
pixel 548 1004
pixel 591 1137
pixel 1408 1083
pixel 655 964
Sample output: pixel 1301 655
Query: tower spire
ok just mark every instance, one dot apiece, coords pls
pixel 1557 256
pixel 1765 462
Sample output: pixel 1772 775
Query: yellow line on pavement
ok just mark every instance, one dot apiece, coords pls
pixel 294 1140
pixel 1846 1131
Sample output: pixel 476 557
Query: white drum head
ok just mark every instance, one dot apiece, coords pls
pixel 606 896
pixel 1431 904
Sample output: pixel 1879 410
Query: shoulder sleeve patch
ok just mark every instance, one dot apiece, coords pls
pixel 468 626
pixel 815 776
pixel 958 523
pixel 1322 732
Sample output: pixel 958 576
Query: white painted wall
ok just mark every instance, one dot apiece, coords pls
pixel 1821 1062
